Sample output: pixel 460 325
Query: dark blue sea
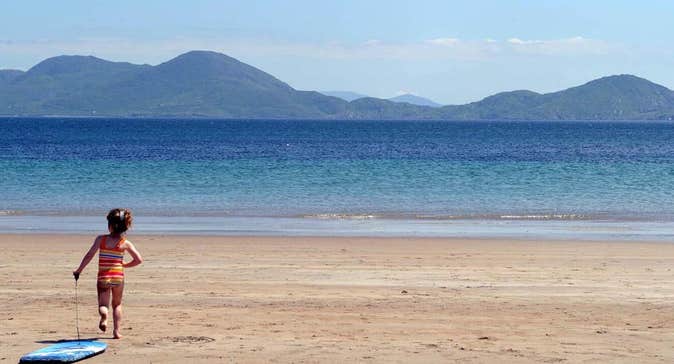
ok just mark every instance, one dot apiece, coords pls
pixel 315 172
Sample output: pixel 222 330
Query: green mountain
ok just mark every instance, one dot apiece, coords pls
pixel 623 97
pixel 65 85
pixel 197 83
pixel 614 97
pixel 209 84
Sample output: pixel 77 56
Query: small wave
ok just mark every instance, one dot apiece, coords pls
pixel 9 212
pixel 532 217
pixel 341 216
pixel 546 217
pixel 570 217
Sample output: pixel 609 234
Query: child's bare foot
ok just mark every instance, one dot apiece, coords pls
pixel 116 335
pixel 103 325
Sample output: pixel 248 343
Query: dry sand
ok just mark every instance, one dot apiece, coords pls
pixel 284 299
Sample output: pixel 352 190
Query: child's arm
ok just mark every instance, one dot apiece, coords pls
pixel 137 259
pixel 87 258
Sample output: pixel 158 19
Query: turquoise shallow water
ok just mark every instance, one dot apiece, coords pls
pixel 619 190
pixel 339 170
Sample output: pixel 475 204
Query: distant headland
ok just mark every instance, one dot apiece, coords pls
pixel 210 84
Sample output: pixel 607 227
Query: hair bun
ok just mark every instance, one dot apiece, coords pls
pixel 119 220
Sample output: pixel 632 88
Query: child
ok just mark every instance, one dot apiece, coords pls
pixel 111 266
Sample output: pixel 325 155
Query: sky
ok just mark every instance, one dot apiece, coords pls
pixel 449 51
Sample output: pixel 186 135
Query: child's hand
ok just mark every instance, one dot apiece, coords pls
pixel 76 274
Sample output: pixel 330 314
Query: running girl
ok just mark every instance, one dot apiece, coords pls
pixel 111 248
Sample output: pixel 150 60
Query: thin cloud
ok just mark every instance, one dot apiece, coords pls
pixel 518 41
pixel 443 41
pixel 573 46
pixel 372 42
pixel 441 48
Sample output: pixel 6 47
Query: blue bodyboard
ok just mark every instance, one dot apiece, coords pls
pixel 65 352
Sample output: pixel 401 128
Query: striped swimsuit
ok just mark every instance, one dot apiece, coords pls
pixel 110 269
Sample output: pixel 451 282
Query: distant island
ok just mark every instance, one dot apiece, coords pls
pixel 406 98
pixel 210 84
pixel 344 95
pixel 414 100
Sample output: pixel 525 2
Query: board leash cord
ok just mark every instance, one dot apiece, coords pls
pixel 77 313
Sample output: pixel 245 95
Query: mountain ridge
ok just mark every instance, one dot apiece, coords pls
pixel 210 84
pixel 344 95
pixel 407 98
pixel 415 100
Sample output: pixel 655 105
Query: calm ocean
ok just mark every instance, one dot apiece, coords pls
pixel 291 172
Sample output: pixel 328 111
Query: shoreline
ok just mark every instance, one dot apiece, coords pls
pixel 342 299
pixel 587 230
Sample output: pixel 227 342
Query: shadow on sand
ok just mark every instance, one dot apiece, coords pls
pixel 68 340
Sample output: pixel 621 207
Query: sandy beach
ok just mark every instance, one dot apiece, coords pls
pixel 287 299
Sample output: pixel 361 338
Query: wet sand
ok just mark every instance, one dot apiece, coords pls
pixel 286 299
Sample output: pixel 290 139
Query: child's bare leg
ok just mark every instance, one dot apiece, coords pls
pixel 117 310
pixel 103 302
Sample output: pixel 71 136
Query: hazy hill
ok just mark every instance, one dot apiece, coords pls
pixel 344 95
pixel 415 100
pixel 9 75
pixel 371 108
pixel 504 105
pixel 209 84
pixel 406 98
